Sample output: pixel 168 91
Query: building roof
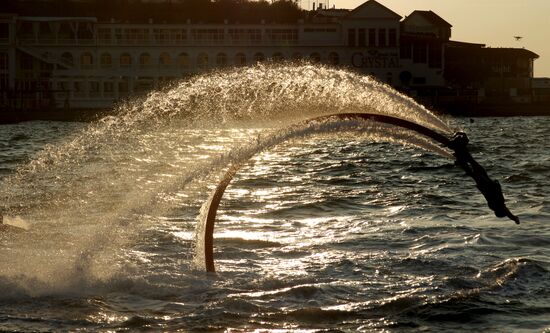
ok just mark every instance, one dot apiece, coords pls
pixel 331 12
pixel 454 43
pixel 471 49
pixel 373 4
pixel 512 52
pixel 431 17
pixel 56 18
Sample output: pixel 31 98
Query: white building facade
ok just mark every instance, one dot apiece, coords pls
pixel 80 63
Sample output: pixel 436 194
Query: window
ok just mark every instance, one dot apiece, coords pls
pixel 211 35
pixel 4 31
pixel 143 84
pixel 44 66
pixel 319 29
pixel 405 50
pixel 392 37
pixel 240 59
pixel 351 37
pixel 246 35
pixel 25 30
pixel 104 34
pixel 63 85
pixel 125 60
pixel 333 58
pixel 165 59
pixel 118 35
pixel 85 32
pixel 105 60
pixel 162 36
pixel 67 58
pixel 419 53
pixel 202 60
pixel 382 37
pixel 178 35
pixel 315 57
pixel 86 60
pixel 362 37
pixel 94 88
pixel 78 87
pixel 108 88
pixel 124 86
pixel 26 62
pixel 221 59
pixel 280 35
pixel 145 60
pixel 435 56
pixel 4 84
pixel 134 35
pixel 183 60
pixel 372 37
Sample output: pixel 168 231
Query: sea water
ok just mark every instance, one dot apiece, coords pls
pixel 335 231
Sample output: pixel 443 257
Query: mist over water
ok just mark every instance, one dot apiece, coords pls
pixel 335 222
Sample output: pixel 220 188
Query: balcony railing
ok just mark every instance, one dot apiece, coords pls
pixel 53 41
pixel 175 42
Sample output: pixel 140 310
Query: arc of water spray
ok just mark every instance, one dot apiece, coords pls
pixel 458 143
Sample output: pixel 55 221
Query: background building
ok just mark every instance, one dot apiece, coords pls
pixel 90 62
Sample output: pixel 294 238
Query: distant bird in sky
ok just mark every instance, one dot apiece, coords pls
pixel 518 37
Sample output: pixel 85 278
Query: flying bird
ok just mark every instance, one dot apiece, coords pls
pixel 518 37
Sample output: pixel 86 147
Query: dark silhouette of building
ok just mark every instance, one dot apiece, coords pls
pixel 89 54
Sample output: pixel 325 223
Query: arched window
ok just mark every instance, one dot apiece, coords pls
pixel 333 58
pixel 258 57
pixel 183 60
pixel 315 57
pixel 221 60
pixel 165 59
pixel 67 58
pixel 125 60
pixel 105 60
pixel 240 59
pixel 277 56
pixel 86 59
pixel 145 60
pixel 202 60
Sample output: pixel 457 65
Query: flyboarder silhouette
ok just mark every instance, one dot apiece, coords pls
pixel 490 189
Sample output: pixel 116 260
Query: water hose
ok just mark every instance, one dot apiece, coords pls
pixel 490 189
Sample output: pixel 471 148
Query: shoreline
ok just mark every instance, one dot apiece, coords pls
pixel 494 110
pixel 73 115
pixel 455 109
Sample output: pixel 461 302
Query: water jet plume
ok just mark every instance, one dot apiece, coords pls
pixel 204 253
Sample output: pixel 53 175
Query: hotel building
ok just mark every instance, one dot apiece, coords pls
pixel 84 63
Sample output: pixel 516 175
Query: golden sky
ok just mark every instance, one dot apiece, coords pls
pixel 490 22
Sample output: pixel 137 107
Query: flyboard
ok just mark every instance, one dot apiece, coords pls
pixel 458 143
